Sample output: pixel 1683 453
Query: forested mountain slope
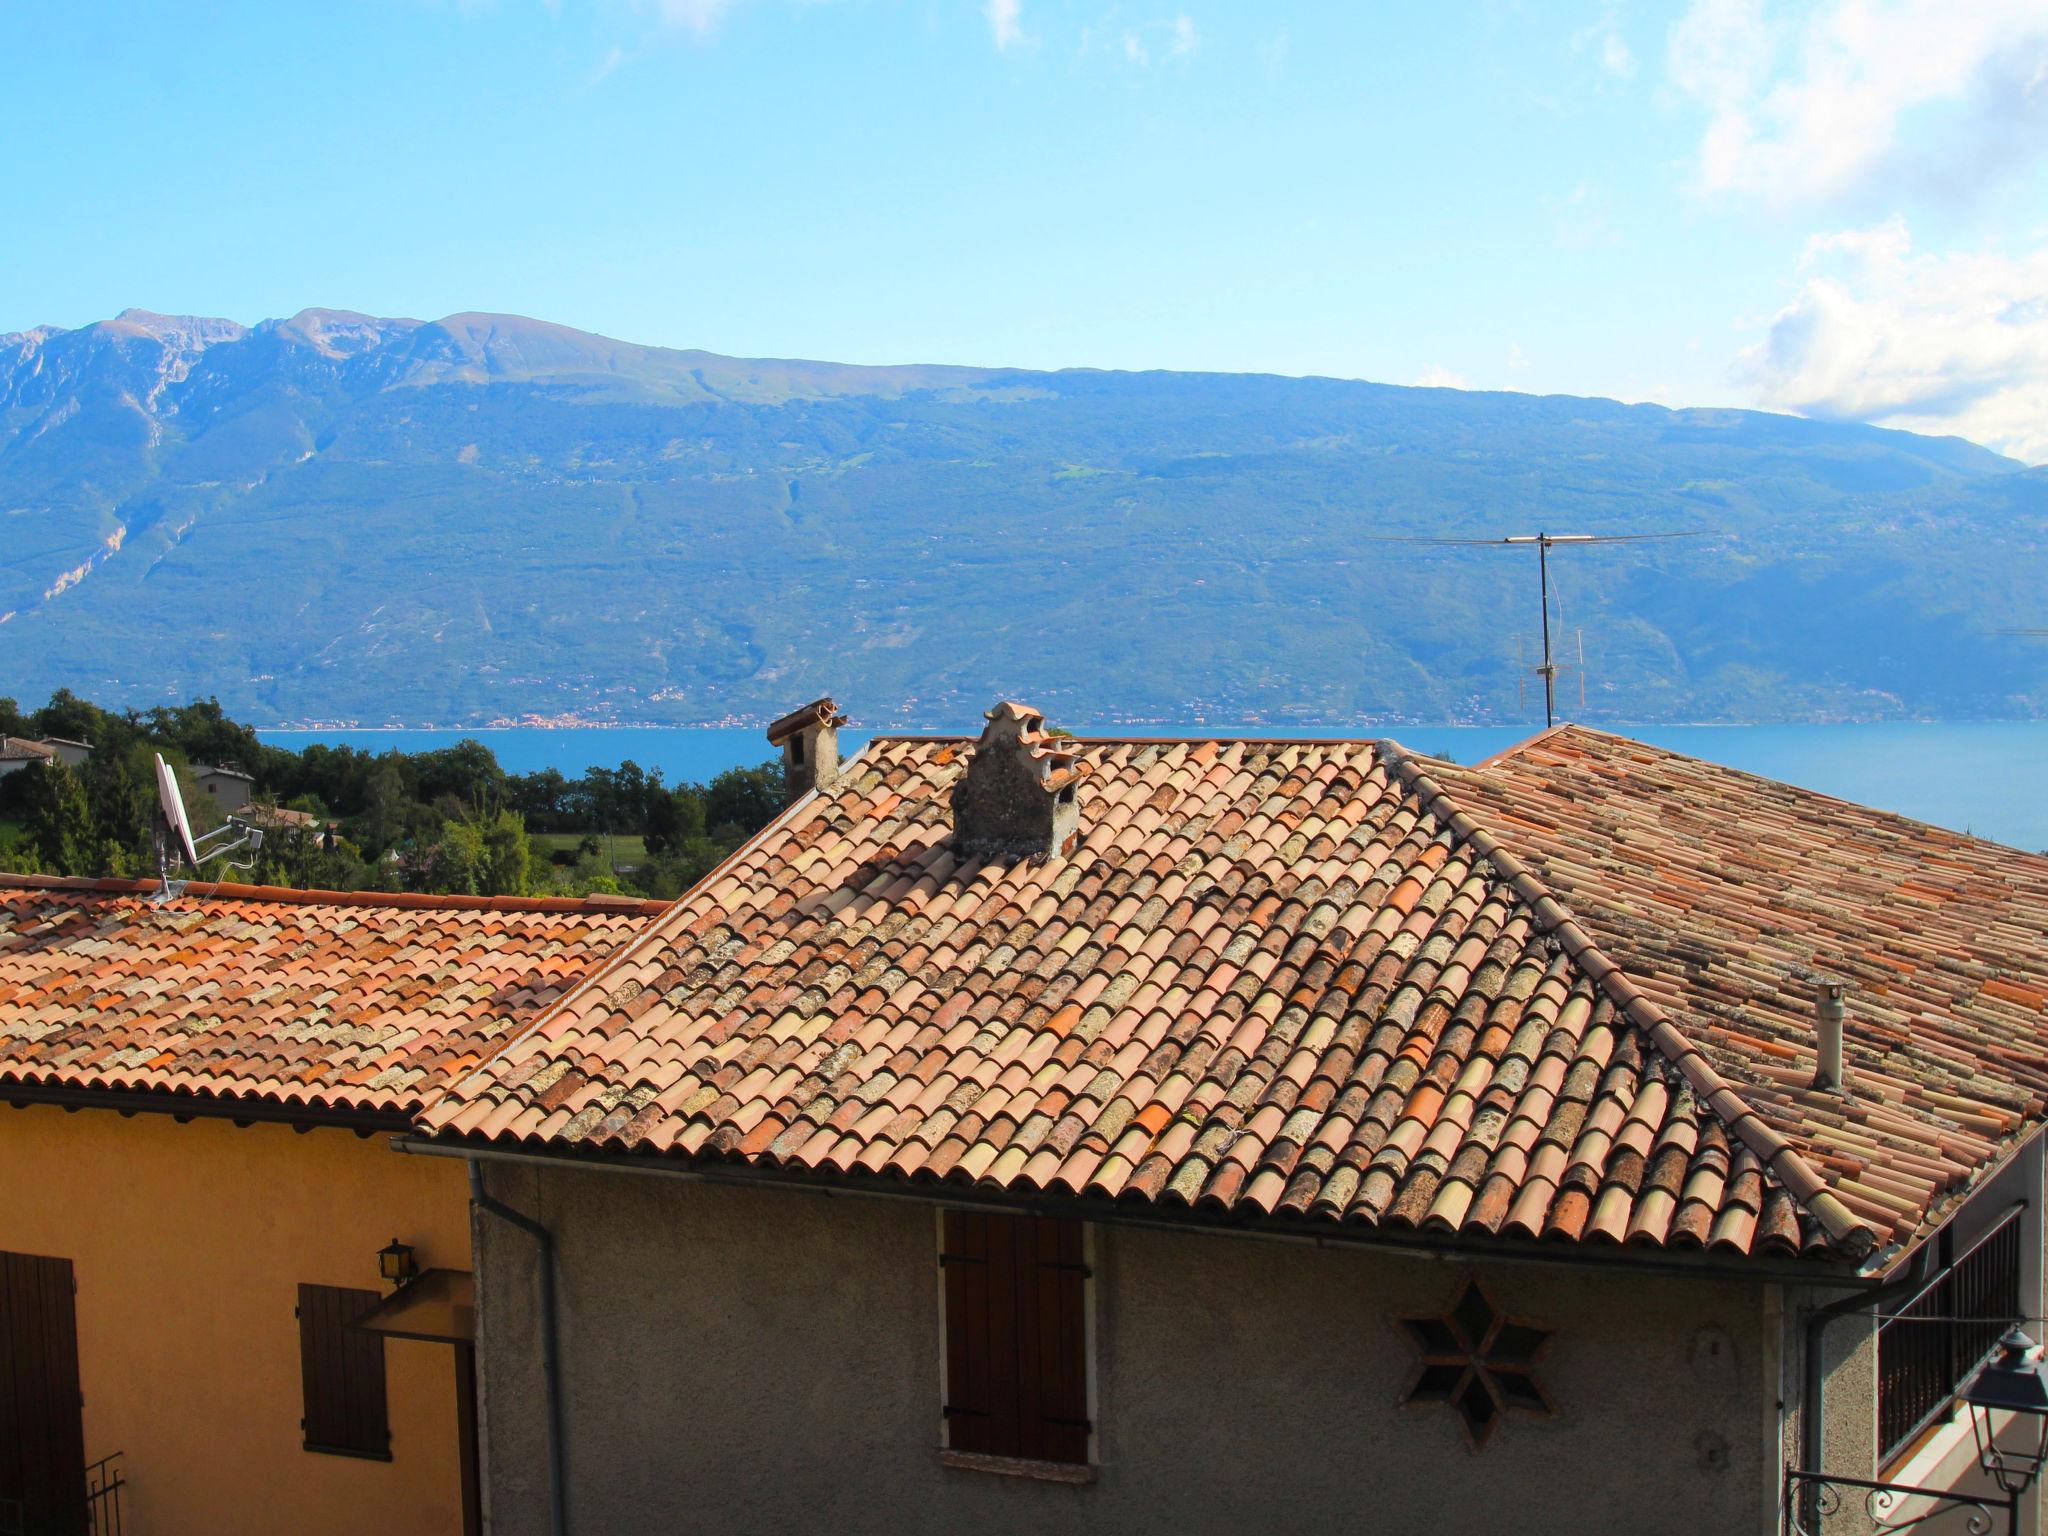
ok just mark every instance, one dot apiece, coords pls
pixel 337 517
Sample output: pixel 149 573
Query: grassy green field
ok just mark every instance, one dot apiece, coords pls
pixel 620 850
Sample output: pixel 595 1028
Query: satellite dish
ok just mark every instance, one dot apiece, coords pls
pixel 174 810
pixel 217 844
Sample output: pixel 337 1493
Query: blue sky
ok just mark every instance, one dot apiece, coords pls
pixel 1839 208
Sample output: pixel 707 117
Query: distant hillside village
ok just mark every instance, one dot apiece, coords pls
pixel 78 797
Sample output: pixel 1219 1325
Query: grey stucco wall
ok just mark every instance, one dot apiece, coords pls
pixel 741 1360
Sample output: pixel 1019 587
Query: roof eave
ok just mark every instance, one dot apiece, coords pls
pixel 191 1106
pixel 1437 1246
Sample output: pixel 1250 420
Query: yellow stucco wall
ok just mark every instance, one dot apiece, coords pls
pixel 190 1242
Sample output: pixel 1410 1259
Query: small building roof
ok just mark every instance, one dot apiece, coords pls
pixel 18 749
pixel 280 817
pixel 1330 984
pixel 65 741
pixel 202 771
pixel 321 1000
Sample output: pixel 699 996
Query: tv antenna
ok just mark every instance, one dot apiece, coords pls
pixel 195 851
pixel 1545 542
pixel 1523 671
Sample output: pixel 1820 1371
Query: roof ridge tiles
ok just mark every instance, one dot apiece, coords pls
pixel 1854 1236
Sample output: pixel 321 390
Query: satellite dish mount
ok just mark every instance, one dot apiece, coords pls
pixel 174 838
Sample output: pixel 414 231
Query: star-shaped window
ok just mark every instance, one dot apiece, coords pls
pixel 1479 1360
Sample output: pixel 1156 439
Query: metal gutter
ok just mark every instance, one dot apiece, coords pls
pixel 551 1388
pixel 1812 1416
pixel 1918 1278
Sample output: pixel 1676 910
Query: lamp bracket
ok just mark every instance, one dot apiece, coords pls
pixel 1812 1499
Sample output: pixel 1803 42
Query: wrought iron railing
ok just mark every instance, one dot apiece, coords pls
pixel 103 1485
pixel 1929 1347
pixel 1813 1499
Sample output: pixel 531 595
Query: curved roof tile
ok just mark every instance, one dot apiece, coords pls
pixel 1272 979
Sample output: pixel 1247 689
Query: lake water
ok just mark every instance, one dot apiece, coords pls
pixel 1982 778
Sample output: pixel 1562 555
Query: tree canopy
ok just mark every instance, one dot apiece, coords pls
pixel 449 820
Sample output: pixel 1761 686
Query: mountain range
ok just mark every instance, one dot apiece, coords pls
pixel 341 518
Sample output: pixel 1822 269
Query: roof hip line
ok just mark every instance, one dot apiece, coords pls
pixel 1855 1236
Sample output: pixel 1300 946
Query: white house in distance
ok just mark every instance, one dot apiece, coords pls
pixel 227 788
pixel 17 752
pixel 72 754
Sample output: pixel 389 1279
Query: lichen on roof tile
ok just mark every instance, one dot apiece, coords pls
pixel 1266 980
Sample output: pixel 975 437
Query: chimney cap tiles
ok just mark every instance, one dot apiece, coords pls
pixel 1016 799
pixel 812 716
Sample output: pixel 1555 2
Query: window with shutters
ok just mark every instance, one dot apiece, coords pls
pixel 1016 1336
pixel 342 1372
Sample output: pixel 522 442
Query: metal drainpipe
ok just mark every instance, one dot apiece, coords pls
pixel 544 1244
pixel 1810 1437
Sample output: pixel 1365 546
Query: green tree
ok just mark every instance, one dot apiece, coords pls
pixel 205 734
pixel 69 716
pixel 506 856
pixel 391 818
pixel 468 772
pixel 122 808
pixel 478 856
pixel 744 799
pixel 674 817
pixel 59 820
pixel 452 865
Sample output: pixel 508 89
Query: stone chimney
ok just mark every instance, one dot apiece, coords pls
pixel 809 738
pixel 1016 800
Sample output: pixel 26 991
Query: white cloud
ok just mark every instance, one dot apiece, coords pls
pixel 1437 376
pixel 1005 22
pixel 1140 45
pixel 1604 39
pixel 698 16
pixel 1811 102
pixel 1517 358
pixel 1943 343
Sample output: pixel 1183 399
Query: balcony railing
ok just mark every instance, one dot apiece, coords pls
pixel 103 1485
pixel 1927 1349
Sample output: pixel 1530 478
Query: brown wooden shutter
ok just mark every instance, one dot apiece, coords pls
pixel 1016 1336
pixel 42 1427
pixel 342 1372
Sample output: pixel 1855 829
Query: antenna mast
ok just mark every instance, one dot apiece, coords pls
pixel 1544 543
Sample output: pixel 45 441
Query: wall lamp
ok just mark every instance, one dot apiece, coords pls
pixel 396 1263
pixel 2012 1382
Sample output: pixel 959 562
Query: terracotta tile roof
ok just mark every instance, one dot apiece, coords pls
pixel 16 749
pixel 1724 897
pixel 346 1001
pixel 1272 981
pixel 278 818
